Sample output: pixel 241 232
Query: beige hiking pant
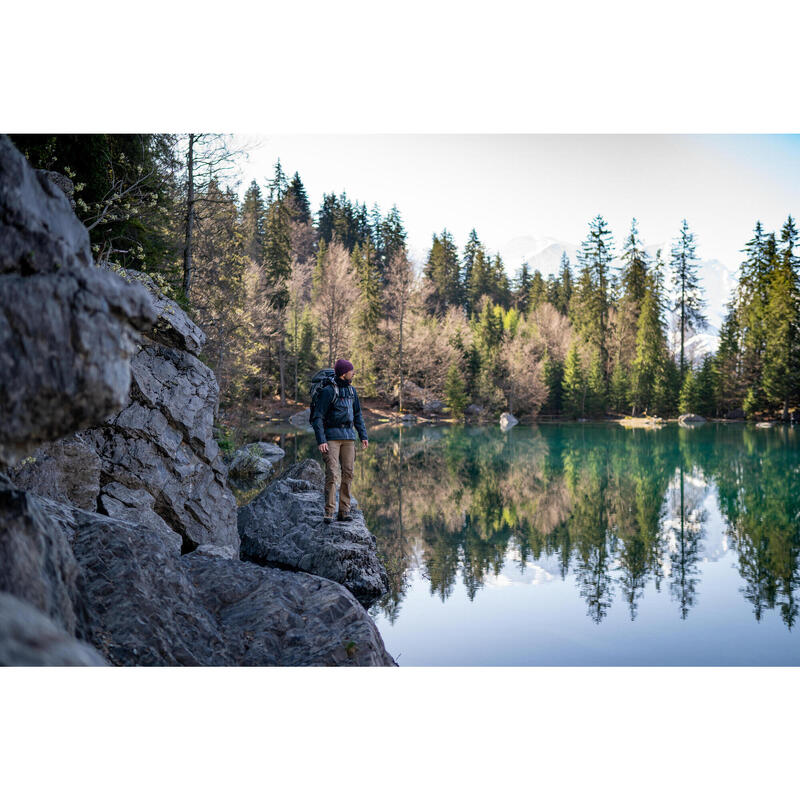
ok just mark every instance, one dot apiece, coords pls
pixel 339 451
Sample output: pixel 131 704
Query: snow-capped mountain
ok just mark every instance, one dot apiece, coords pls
pixel 542 253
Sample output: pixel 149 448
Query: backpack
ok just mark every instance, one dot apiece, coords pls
pixel 325 377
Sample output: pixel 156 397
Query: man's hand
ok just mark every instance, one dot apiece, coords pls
pixel 323 448
pixel 364 444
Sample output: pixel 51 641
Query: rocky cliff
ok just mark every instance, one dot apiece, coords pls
pixel 118 533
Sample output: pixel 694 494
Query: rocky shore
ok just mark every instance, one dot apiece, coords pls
pixel 119 537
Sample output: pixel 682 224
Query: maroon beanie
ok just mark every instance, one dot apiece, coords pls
pixel 342 366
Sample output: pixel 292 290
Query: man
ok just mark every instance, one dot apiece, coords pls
pixel 333 423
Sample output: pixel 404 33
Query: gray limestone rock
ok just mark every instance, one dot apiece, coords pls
pixel 162 444
pixel 173 326
pixel 29 639
pixel 284 527
pixel 272 617
pixel 36 562
pixel 254 460
pixel 507 421
pixel 302 419
pixel 67 329
pixel 67 471
pixel 150 606
pixel 62 182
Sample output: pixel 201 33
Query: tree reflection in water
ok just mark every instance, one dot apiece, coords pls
pixel 622 511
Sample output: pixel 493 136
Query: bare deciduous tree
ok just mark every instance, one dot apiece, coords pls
pixel 335 299
pixel 399 290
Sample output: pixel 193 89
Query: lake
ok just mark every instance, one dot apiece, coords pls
pixel 584 544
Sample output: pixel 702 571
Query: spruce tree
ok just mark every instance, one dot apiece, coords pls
pixel 538 291
pixel 781 370
pixel 565 285
pixel 471 250
pixel 688 292
pixel 591 314
pixel 573 385
pixel 443 274
pixel 297 200
pixel 455 391
pixel 522 285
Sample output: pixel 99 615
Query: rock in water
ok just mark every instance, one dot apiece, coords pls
pixel 29 639
pixel 302 419
pixel 283 527
pixel 67 330
pixel 255 460
pixel 690 420
pixel 507 421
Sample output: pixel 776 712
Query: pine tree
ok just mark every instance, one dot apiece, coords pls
pixel 688 292
pixel 443 274
pixel 729 390
pixel 522 285
pixel 687 402
pixel 573 385
pixel 634 269
pixel 591 314
pixel 297 200
pixel 455 390
pixel 254 224
pixel 538 291
pixel 565 285
pixel 471 250
pixel 648 378
pixel 781 371
pixel 597 391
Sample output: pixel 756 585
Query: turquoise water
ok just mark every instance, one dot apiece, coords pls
pixel 585 544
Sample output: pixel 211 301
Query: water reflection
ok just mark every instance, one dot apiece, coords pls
pixel 624 513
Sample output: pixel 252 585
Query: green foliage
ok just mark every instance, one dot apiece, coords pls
pixel 573 384
pixel 455 390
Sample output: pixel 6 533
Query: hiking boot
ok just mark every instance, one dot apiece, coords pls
pixel 327 520
pixel 348 517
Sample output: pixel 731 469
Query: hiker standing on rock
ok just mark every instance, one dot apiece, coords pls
pixel 335 411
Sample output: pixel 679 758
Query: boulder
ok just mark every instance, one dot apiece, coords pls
pixel 271 617
pixel 36 562
pixel 432 407
pixel 162 444
pixel 151 606
pixel 67 329
pixel 29 639
pixel 61 182
pixel 765 424
pixel 173 327
pixel 507 421
pixel 255 460
pixel 67 471
pixel 473 410
pixel 408 419
pixel 302 419
pixel 691 420
pixel 284 527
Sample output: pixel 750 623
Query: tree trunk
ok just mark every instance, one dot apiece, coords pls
pixel 187 248
pixel 400 395
pixel 281 367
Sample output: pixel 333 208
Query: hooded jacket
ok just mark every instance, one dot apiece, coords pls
pixel 336 420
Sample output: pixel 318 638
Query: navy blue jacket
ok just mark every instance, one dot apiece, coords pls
pixel 336 420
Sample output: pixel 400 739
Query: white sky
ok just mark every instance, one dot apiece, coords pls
pixel 552 185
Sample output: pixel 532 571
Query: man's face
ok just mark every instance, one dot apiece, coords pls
pixel 348 376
